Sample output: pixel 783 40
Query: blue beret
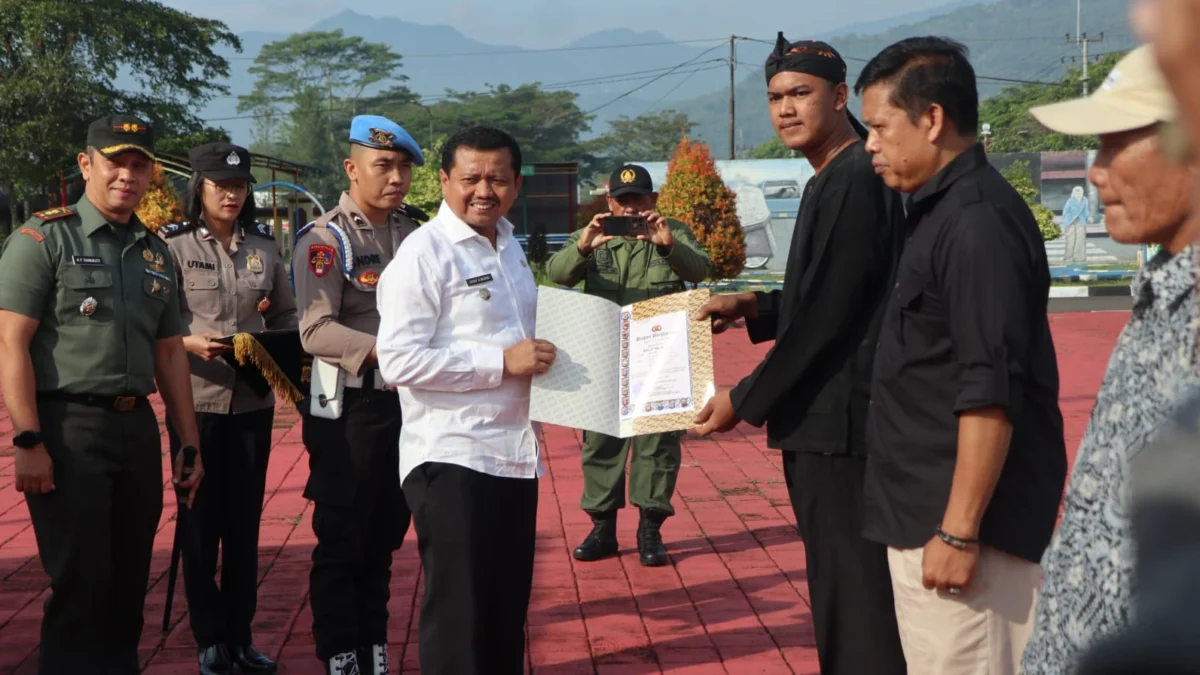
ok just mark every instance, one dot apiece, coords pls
pixel 378 132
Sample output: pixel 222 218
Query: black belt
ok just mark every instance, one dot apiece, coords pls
pixel 118 403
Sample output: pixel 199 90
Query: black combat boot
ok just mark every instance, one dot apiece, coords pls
pixel 602 541
pixel 649 539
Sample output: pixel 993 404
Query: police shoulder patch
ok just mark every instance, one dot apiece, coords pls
pixel 262 230
pixel 56 213
pixel 413 212
pixel 175 229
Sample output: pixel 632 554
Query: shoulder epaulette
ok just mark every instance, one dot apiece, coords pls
pixel 175 229
pixel 56 213
pixel 262 230
pixel 414 213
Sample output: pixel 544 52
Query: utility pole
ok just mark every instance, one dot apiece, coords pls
pixel 1083 40
pixel 732 63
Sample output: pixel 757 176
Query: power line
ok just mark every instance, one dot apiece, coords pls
pixel 500 52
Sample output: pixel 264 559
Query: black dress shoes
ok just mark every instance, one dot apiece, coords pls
pixel 250 660
pixel 215 660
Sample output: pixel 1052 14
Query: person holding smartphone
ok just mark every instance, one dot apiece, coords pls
pixel 627 255
pixel 232 279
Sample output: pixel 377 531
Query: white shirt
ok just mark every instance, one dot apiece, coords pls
pixel 449 305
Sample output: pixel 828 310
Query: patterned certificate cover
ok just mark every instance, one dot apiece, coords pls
pixel 584 389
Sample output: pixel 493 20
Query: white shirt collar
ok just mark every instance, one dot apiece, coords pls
pixel 459 231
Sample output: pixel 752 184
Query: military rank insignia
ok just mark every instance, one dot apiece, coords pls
pixel 320 259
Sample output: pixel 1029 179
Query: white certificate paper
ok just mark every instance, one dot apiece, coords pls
pixel 656 374
pixel 623 371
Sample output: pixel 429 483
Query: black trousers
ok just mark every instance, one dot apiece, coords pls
pixel 359 516
pixel 475 533
pixel 849 583
pixel 226 514
pixel 95 534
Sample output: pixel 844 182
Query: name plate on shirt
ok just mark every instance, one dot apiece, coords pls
pixel 87 260
pixel 644 368
pixel 482 279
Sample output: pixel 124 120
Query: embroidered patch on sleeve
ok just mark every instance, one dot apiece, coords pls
pixel 320 258
pixel 37 236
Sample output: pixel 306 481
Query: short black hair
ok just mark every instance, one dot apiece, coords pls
pixel 481 138
pixel 193 203
pixel 924 71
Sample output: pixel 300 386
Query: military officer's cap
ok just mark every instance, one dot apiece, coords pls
pixel 112 135
pixel 630 179
pixel 377 132
pixel 221 161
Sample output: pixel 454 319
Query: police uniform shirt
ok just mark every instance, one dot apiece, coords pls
pixel 244 290
pixel 337 264
pixel 450 304
pixel 104 295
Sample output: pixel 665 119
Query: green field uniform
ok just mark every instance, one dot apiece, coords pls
pixel 627 271
pixel 104 295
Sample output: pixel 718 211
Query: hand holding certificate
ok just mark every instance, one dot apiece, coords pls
pixel 623 371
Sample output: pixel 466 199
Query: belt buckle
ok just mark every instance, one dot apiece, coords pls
pixel 124 403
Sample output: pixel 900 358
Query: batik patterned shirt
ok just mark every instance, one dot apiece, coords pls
pixel 1088 568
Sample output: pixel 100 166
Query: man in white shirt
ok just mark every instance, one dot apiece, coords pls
pixel 457 308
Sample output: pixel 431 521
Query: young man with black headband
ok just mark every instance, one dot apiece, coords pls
pixel 812 389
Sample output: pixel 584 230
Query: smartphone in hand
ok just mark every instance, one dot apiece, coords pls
pixel 624 226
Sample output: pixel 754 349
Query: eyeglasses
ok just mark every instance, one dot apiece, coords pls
pixel 235 189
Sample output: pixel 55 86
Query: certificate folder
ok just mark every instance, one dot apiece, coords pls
pixel 643 368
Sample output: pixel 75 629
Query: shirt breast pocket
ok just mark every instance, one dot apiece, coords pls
pixel 88 296
pixel 157 291
pixel 917 321
pixel 203 292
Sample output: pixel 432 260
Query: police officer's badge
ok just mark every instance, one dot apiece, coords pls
pixel 382 138
pixel 88 306
pixel 254 263
pixel 233 159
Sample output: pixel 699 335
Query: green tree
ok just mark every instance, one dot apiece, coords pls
pixel 59 68
pixel 547 124
pixel 649 137
pixel 1015 130
pixel 308 86
pixel 425 192
pixel 772 149
pixel 1020 177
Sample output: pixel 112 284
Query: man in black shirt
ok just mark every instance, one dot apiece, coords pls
pixel 967 460
pixel 812 389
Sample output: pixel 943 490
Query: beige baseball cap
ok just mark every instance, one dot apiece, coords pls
pixel 1133 96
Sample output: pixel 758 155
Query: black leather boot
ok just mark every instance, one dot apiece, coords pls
pixel 649 539
pixel 250 660
pixel 215 660
pixel 602 541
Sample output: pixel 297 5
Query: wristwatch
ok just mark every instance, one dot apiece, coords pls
pixel 28 440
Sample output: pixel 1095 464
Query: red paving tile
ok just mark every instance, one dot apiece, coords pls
pixel 734 600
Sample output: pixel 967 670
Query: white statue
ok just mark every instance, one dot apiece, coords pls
pixel 1074 226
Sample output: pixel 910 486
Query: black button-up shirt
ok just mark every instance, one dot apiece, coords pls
pixel 966 328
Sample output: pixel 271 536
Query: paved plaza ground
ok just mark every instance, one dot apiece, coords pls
pixel 734 599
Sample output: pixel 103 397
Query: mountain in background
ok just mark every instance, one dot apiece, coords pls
pixel 439 57
pixel 1013 39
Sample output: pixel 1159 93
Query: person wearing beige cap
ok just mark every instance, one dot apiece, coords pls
pixel 1088 568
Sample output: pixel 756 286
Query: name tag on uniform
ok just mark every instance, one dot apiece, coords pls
pixel 87 260
pixel 475 281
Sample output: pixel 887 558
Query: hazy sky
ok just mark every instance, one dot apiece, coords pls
pixel 551 23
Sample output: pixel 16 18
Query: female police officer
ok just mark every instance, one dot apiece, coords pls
pixel 232 279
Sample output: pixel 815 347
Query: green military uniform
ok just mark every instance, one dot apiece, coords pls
pixel 626 270
pixel 103 294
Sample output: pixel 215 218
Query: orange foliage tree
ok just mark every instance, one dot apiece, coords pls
pixel 695 194
pixel 162 204
pixel 585 212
